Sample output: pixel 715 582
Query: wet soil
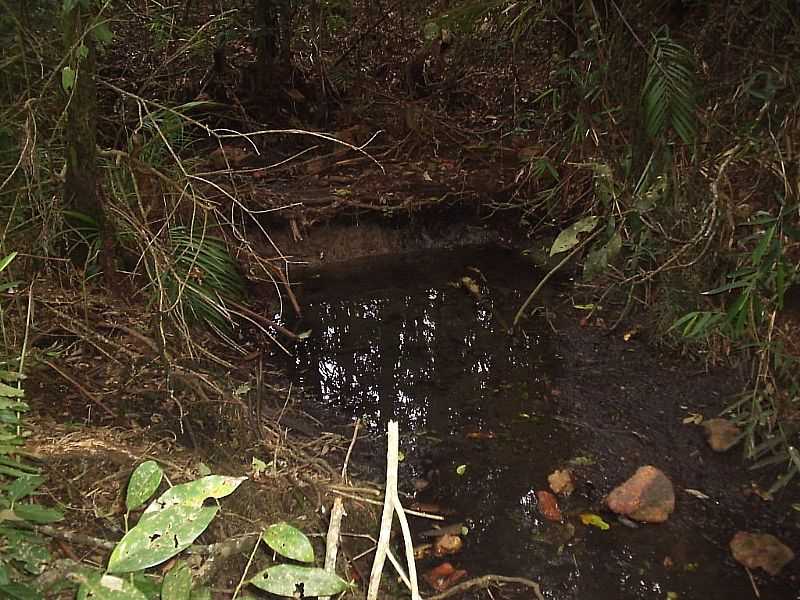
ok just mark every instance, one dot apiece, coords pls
pixel 485 416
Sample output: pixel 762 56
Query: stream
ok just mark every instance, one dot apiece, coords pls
pixel 481 427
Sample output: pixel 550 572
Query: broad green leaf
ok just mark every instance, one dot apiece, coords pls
pixel 177 583
pixel 149 585
pixel 289 541
pixel 598 259
pixel 69 5
pixel 108 587
pixel 160 536
pixel 143 483
pixel 568 238
pixel 204 593
pixel 194 493
pixel 33 513
pixel 67 78
pixel 24 486
pixel 102 33
pixel 10 392
pixel 19 591
pixel 284 580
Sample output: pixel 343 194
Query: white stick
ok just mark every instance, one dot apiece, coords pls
pixel 332 540
pixel 391 501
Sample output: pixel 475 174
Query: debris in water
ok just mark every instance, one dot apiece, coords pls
pixel 561 482
pixel 444 576
pixel 721 434
pixel 594 521
pixel 760 550
pixel 548 505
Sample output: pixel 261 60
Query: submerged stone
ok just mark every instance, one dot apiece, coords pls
pixel 647 497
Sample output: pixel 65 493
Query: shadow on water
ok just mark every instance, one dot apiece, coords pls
pixel 400 338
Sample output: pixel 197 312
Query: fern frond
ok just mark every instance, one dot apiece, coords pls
pixel 669 93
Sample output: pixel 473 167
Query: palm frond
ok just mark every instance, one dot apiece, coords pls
pixel 669 94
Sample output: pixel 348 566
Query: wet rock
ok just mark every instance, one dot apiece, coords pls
pixel 721 434
pixel 760 550
pixel 647 497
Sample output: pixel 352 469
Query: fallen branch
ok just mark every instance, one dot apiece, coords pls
pixel 485 582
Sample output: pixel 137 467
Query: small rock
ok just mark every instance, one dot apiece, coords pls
pixel 721 434
pixel 760 550
pixel 648 496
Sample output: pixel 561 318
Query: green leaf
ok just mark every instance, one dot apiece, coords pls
pixel 194 493
pixel 594 521
pixel 100 586
pixel 6 260
pixel 568 238
pixel 287 580
pixel 598 259
pixel 103 34
pixel 67 78
pixel 177 583
pixel 160 536
pixel 11 392
pixel 19 591
pixel 34 513
pixel 143 483
pixel 204 593
pixel 24 486
pixel 69 5
pixel 289 541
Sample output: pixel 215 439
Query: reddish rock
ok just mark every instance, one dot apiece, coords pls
pixel 760 550
pixel 721 434
pixel 648 496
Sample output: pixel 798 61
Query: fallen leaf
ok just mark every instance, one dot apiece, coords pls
pixel 594 521
pixel 422 551
pixel 548 505
pixel 693 419
pixel 560 482
pixel 448 544
pixel 762 550
pixel 697 494
pixel 461 469
pixel 444 577
pixel 481 435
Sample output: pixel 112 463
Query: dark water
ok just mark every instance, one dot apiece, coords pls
pixel 400 339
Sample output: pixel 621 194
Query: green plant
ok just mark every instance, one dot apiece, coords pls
pixel 202 277
pixel 23 553
pixel 669 93
pixel 171 523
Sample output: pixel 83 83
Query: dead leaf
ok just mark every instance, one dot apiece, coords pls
pixel 447 544
pixel 560 482
pixel 481 435
pixel 469 284
pixel 548 505
pixel 762 550
pixel 444 576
